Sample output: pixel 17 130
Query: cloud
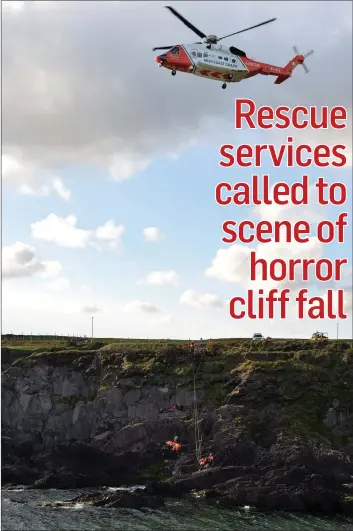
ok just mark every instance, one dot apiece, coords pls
pixel 19 260
pixel 348 300
pixel 191 297
pixel 30 180
pixel 61 189
pixel 232 265
pixel 161 320
pixel 58 284
pixel 12 6
pixel 110 234
pixel 64 233
pixel 142 307
pixel 161 278
pixel 153 235
pixel 47 114
pixel 91 308
pixel 123 167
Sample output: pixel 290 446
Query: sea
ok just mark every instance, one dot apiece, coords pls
pixel 22 509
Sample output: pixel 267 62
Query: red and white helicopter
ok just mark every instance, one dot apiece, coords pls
pixel 214 61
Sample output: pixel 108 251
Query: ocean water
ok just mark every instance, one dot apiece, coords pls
pixel 21 510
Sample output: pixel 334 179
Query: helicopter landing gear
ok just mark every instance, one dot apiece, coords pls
pixel 173 72
pixel 224 86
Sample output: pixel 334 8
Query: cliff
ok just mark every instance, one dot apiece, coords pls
pixel 115 400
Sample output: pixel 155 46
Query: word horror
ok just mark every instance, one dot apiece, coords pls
pixel 292 269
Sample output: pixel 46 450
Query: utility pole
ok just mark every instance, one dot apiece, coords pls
pixel 92 329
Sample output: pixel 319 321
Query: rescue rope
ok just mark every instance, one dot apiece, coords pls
pixel 198 439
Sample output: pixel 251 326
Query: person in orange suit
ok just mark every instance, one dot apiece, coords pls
pixel 175 445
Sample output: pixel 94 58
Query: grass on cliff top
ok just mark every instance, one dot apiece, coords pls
pixel 152 355
pixel 53 344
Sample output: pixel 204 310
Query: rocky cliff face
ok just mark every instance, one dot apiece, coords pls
pixel 53 399
pixel 113 396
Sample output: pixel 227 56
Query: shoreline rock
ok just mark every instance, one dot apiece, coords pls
pixel 128 500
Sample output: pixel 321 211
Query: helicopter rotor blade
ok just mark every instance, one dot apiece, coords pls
pixel 251 27
pixel 186 22
pixel 305 68
pixel 309 53
pixel 162 47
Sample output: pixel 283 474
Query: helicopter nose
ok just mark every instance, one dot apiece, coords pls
pixel 161 58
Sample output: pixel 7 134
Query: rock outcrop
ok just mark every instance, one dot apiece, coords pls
pixel 129 500
pixel 55 399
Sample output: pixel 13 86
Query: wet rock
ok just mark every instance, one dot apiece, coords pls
pixel 18 474
pixel 201 480
pixel 286 477
pixel 240 452
pixel 75 466
pixel 128 500
pixel 7 449
pixel 65 480
pixel 331 419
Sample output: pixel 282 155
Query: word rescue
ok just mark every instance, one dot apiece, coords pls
pixel 283 118
pixel 259 191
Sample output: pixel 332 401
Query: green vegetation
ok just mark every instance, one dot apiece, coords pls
pixel 105 388
pixel 155 472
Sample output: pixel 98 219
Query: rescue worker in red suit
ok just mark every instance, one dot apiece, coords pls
pixel 206 462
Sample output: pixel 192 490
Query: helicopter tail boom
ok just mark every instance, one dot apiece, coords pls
pixel 293 63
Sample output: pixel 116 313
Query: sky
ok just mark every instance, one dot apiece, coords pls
pixel 109 167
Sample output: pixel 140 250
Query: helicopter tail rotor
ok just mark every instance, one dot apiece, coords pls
pixel 296 51
pixel 299 59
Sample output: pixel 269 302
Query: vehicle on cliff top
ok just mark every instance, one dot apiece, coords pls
pixel 258 337
pixel 319 336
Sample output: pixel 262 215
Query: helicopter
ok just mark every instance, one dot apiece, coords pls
pixel 212 60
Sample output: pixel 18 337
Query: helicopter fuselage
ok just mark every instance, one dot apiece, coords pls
pixel 213 61
pixel 221 63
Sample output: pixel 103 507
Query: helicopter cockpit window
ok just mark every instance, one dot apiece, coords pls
pixel 205 54
pixel 226 58
pixel 175 50
pixel 199 54
pixel 219 57
pixel 193 53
